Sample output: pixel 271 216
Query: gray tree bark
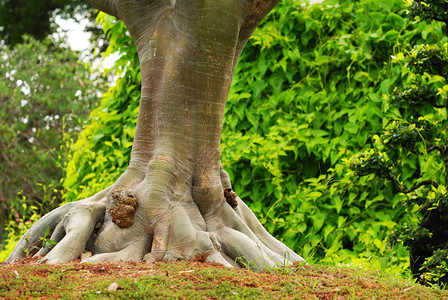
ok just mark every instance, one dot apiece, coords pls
pixel 175 200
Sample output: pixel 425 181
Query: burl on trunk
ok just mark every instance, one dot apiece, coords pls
pixel 174 201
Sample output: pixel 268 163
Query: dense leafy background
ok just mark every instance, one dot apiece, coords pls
pixel 45 94
pixel 418 136
pixel 307 94
pixel 317 77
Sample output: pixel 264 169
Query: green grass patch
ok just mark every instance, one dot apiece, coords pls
pixel 194 280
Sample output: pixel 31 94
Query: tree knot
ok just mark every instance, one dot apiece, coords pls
pixel 123 208
pixel 260 6
pixel 230 197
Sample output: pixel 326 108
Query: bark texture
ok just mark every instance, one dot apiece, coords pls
pixel 175 201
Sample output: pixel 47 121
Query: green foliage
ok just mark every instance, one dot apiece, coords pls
pixel 408 235
pixel 45 94
pixel 417 150
pixel 438 266
pixel 307 92
pixel 17 227
pixel 33 18
pixel 430 59
pixel 429 10
pixel 408 135
pixel 414 97
pixel 371 162
pixel 103 150
pixel 43 242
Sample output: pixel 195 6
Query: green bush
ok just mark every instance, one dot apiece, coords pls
pixel 414 149
pixel 307 93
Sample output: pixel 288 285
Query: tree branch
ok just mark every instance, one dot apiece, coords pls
pixel 256 12
pixel 108 6
pixel 398 186
pixel 435 105
pixel 443 149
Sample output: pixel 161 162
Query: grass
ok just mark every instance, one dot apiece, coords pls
pixel 194 280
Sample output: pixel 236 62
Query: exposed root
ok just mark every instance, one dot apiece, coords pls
pixel 133 252
pixel 78 224
pixel 267 239
pixel 153 221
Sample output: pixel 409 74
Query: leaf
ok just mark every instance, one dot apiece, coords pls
pixel 338 204
pixel 47 232
pixel 328 230
pixel 388 224
pixel 252 119
pixel 314 194
pixel 89 176
pixel 391 35
pixel 378 243
pixel 362 77
pixel 318 221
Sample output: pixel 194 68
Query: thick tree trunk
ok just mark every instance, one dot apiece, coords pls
pixel 175 200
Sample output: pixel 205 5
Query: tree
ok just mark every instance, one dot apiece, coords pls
pixel 175 200
pixel 286 131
